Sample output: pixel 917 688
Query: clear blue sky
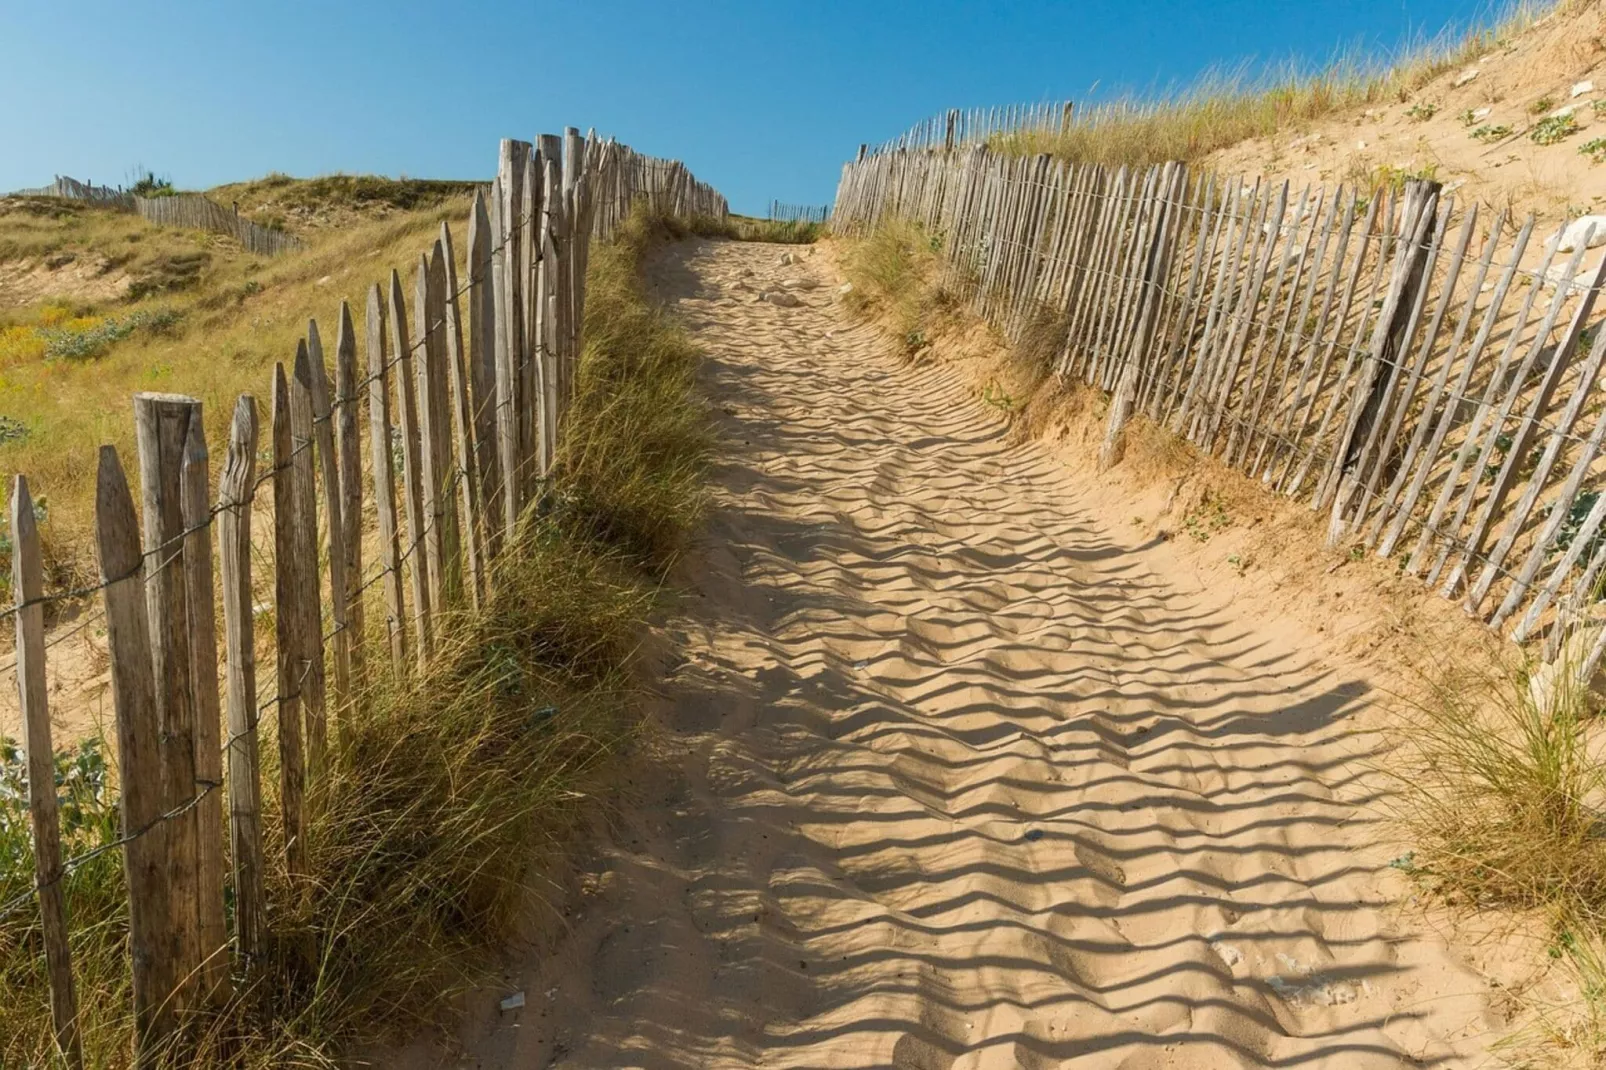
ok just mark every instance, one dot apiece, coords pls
pixel 765 100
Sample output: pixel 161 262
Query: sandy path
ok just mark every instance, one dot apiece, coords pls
pixel 964 781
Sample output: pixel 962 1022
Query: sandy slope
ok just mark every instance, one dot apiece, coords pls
pixel 959 778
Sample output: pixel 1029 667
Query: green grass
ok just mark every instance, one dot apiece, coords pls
pixel 1225 108
pixel 749 228
pixel 449 794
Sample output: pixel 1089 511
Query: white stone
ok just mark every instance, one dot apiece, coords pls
pixel 845 289
pixel 1580 88
pixel 782 299
pixel 513 1002
pixel 1361 145
pixel 1465 76
pixel 1594 226
pixel 786 260
pixel 1480 114
pixel 799 284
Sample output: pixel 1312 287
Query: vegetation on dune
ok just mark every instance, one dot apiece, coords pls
pixel 209 320
pixel 1224 108
pixel 751 228
pixel 446 793
pixel 304 204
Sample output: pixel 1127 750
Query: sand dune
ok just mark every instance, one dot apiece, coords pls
pixel 961 779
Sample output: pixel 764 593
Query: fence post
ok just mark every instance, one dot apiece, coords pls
pixel 1156 264
pixel 348 445
pixel 1388 347
pixel 235 488
pixel 465 470
pixel 412 483
pixel 197 515
pixel 28 587
pixel 308 600
pixel 323 438
pixel 161 428
pixel 482 369
pixel 288 560
pixel 385 479
pixel 151 935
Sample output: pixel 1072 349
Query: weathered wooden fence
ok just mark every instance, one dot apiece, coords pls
pixel 959 128
pixel 178 210
pixel 1427 376
pixel 473 381
pixel 799 213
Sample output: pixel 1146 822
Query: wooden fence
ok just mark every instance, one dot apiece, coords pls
pixel 473 381
pixel 959 128
pixel 178 210
pixel 799 213
pixel 1426 375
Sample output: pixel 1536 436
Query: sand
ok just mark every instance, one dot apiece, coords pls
pixel 958 772
pixel 1557 65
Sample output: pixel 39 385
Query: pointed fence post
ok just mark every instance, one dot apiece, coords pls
pixel 151 934
pixel 28 586
pixel 235 487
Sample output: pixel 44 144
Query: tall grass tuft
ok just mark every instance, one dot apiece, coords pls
pixel 1502 792
pixel 447 795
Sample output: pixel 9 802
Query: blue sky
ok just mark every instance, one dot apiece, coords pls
pixel 765 100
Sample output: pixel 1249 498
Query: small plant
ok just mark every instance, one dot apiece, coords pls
pixel 148 185
pixel 1206 519
pixel 994 395
pixel 1594 148
pixel 1357 552
pixel 1489 134
pixel 1554 128
pixel 1542 105
pixel 1468 117
pixel 1422 110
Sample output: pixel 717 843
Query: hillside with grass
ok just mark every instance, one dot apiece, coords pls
pixel 97 304
pixel 1511 112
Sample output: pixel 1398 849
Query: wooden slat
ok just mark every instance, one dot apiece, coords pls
pixel 384 475
pixel 308 602
pixel 465 459
pixel 414 551
pixel 28 587
pixel 348 445
pixel 289 560
pixel 161 427
pixel 334 509
pixel 195 483
pixel 151 935
pixel 235 489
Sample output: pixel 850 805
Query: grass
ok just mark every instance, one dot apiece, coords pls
pixel 1225 108
pixel 1500 795
pixel 450 794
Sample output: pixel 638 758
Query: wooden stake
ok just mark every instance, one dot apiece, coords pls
pixel 235 488
pixel 28 587
pixel 151 936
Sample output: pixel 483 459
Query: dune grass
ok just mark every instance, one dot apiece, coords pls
pixel 449 794
pixel 1225 107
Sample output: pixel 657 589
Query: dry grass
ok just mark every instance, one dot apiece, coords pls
pixel 448 794
pixel 1224 108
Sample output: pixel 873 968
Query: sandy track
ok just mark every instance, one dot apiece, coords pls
pixel 962 780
